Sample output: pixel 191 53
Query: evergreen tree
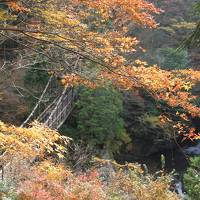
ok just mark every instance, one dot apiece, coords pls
pixel 99 120
pixel 192 179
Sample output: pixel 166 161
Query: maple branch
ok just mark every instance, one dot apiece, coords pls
pixel 96 60
pixel 26 31
pixel 100 62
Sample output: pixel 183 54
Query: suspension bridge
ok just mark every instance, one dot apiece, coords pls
pixel 53 116
pixel 61 100
pixel 58 110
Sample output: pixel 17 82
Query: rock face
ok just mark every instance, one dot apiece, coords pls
pixel 12 110
pixel 12 104
pixel 196 89
pixel 149 139
pixel 142 123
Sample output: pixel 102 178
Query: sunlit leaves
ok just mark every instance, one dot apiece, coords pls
pixel 30 142
pixel 97 32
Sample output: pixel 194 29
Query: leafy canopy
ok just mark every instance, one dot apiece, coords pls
pixel 172 59
pixel 99 121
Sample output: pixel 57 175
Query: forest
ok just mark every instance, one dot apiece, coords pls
pixel 99 100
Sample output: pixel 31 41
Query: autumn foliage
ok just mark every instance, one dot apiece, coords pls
pixel 36 167
pixel 87 42
pixel 97 32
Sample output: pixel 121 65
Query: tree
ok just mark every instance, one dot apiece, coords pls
pixel 99 121
pixel 192 179
pixel 193 39
pixel 172 59
pixel 74 35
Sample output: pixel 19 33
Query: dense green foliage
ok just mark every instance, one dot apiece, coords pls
pixel 194 37
pixel 192 179
pixel 35 76
pixel 171 59
pixel 98 119
pixel 7 191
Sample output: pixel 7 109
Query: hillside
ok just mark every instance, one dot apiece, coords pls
pixel 97 100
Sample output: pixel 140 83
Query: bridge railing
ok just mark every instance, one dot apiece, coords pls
pixel 56 115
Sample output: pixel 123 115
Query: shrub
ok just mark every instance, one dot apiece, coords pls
pixel 192 179
pixel 170 58
pixel 45 178
pixel 7 191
